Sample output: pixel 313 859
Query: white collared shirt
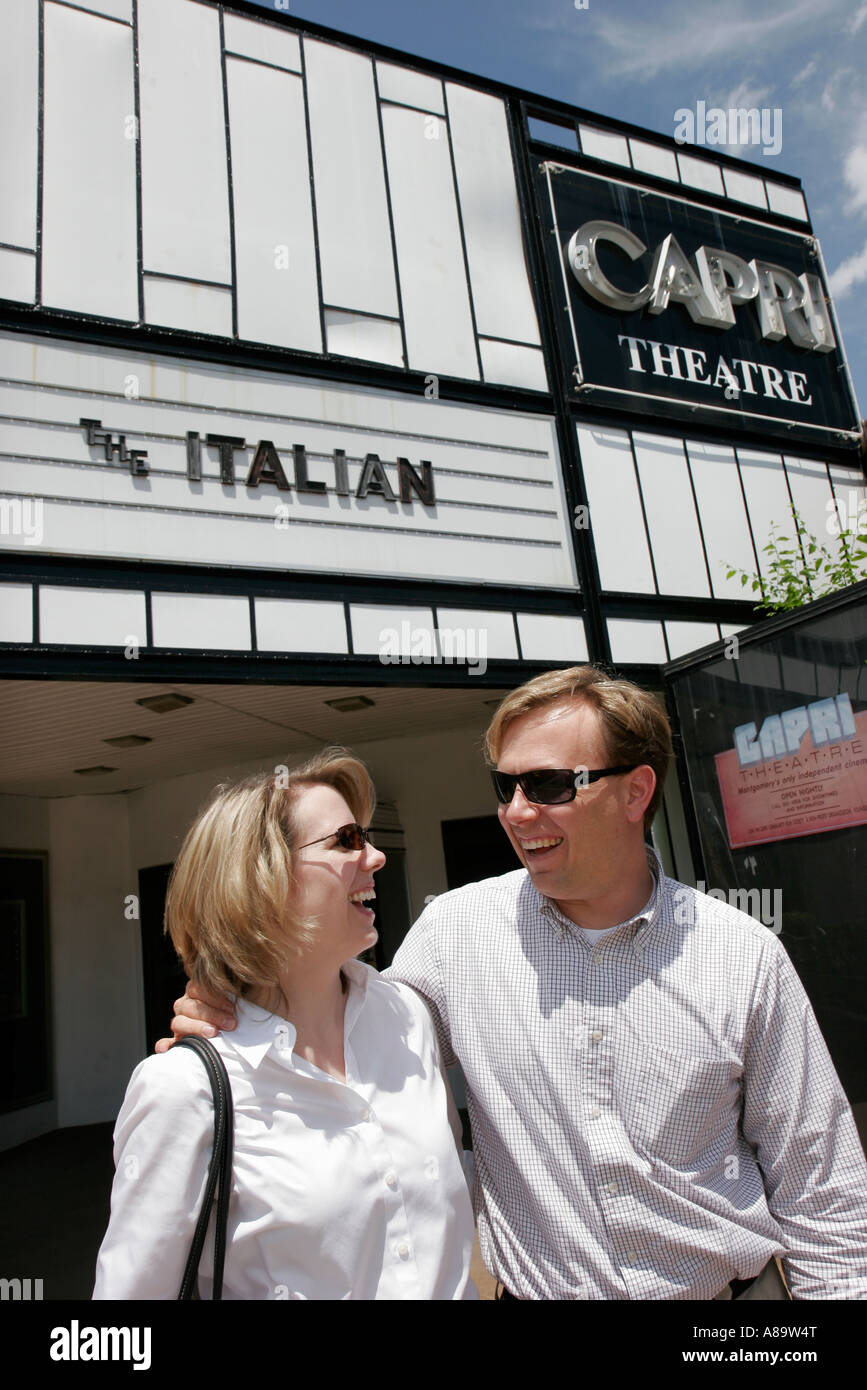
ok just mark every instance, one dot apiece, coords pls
pixel 654 1112
pixel 340 1190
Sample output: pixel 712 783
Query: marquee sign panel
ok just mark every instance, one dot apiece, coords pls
pixel 135 457
pixel 694 310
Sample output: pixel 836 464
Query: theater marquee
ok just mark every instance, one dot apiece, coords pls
pixel 695 309
pixel 139 457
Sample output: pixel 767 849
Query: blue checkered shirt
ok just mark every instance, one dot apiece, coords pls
pixel 655 1113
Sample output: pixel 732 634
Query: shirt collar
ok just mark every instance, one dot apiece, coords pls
pixel 258 1031
pixel 647 918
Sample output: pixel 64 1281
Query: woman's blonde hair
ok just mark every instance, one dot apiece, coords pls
pixel 227 908
pixel 634 724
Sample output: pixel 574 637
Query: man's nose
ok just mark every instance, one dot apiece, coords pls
pixel 519 808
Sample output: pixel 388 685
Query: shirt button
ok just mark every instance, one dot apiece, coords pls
pixel 631 1257
pixel 612 1188
pixel 594 1113
pixel 596 961
pixel 367 1113
pixel 403 1250
pixel 391 1179
pixel 596 1035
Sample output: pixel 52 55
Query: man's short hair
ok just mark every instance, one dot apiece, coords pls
pixel 634 724
pixel 227 904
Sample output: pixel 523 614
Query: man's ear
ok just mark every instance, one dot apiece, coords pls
pixel 641 784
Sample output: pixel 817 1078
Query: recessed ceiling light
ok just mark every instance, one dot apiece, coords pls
pixel 128 741
pixel 162 704
pixel 93 771
pixel 350 702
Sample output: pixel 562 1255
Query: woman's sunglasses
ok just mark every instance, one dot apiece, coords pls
pixel 550 786
pixel 348 837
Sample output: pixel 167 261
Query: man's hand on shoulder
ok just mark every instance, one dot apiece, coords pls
pixel 198 1012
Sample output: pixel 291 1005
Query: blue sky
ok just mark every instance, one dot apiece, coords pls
pixel 641 60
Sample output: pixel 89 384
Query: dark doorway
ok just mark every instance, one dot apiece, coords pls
pixel 476 848
pixel 392 908
pixel 163 974
pixel 25 1070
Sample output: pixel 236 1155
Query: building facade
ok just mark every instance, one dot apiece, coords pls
pixel 341 392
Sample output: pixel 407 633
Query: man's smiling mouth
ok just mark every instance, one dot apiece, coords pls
pixel 538 846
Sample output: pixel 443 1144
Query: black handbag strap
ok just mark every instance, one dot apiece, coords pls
pixel 219 1172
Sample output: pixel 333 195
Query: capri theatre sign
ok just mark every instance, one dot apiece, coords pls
pixel 693 307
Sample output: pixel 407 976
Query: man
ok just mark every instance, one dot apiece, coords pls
pixel 654 1111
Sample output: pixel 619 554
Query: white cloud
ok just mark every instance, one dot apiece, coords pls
pixel 801 77
pixel 689 37
pixel 855 176
pixel 849 273
pixel 858 18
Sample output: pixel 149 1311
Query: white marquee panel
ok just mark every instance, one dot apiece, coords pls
pixel 700 173
pixel 275 254
pixel 509 364
pixel 19 98
pixel 636 642
pixel 615 511
pixel 91 617
pixel 17 275
pixel 551 637
pixel 409 88
pixel 113 9
pixel 723 516
pixel 437 316
pixel 89 255
pixel 355 248
pixel 372 623
pixel 812 498
pixel 671 517
pixel 689 637
pixel 16 613
pixel 267 43
pixel 495 630
pixel 180 304
pixel 201 622
pixel 653 159
pixel 293 625
pixel 788 202
pixel 359 335
pixel 371 549
pixel 768 501
pixel 745 188
pixel 492 224
pixel 79 473
pixel 498 514
pixel 604 144
pixel 185 194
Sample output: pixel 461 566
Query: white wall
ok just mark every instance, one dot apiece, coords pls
pixel 95 955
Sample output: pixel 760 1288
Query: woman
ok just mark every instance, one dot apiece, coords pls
pixel 347 1178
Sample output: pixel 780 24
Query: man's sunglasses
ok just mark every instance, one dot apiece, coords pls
pixel 550 786
pixel 348 837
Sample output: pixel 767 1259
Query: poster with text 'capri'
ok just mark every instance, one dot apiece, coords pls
pixel 803 771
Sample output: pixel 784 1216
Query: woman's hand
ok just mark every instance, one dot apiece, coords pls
pixel 199 1012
